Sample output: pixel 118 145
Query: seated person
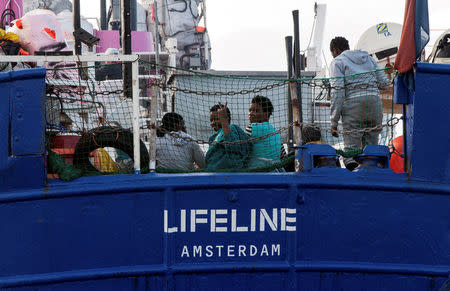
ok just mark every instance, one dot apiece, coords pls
pixel 111 70
pixel 226 156
pixel 174 151
pixel 311 134
pixel 267 150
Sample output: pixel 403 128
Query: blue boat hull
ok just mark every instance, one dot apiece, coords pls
pixel 320 229
pixel 110 233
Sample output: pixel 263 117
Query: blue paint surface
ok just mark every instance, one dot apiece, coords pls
pixel 27 112
pixel 22 125
pixel 347 232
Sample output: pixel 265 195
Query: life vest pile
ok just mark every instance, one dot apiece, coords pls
pixel 9 43
pixel 39 30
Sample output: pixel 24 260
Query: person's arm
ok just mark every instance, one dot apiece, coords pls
pixel 382 80
pixel 198 156
pixel 337 94
pixel 239 150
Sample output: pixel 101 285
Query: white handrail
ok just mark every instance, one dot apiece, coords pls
pixel 71 58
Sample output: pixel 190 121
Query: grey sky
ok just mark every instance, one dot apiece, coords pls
pixel 249 34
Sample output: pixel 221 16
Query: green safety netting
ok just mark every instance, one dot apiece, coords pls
pixel 193 121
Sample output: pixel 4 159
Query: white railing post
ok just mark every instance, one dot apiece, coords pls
pixel 171 46
pixel 153 113
pixel 136 117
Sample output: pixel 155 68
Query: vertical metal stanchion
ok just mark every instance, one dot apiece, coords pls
pixel 155 95
pixel 103 20
pixel 116 15
pixel 126 46
pixel 153 113
pixel 157 40
pixel 288 42
pixel 133 15
pixel 131 80
pixel 136 117
pixel 76 25
pixel 297 67
pixel 171 46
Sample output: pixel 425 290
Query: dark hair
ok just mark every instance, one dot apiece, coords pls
pixel 265 103
pixel 310 133
pixel 169 121
pixel 340 43
pixel 217 107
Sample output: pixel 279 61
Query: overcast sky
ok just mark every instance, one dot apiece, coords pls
pixel 249 34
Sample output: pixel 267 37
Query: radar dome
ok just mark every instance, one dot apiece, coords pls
pixel 381 41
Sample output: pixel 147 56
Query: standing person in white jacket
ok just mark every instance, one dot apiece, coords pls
pixel 355 99
pixel 174 150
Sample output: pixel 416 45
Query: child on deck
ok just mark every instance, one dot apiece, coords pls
pixel 311 134
pixel 226 156
pixel 265 151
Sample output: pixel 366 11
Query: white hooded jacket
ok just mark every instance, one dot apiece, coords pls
pixel 353 75
pixel 178 153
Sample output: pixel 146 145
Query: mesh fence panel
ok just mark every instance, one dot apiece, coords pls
pixel 208 122
pixel 89 119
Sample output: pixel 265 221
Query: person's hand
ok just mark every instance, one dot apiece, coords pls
pixel 222 113
pixel 334 131
pixel 389 68
pixel 223 118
